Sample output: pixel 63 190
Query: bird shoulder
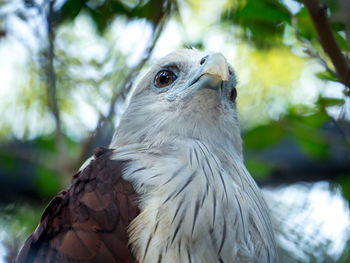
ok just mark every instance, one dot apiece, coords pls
pixel 88 222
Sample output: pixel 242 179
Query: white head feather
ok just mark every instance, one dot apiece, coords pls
pixel 207 115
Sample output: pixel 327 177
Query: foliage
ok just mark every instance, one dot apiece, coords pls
pixel 275 41
pixel 17 220
pixel 104 13
pixel 266 24
pixel 262 22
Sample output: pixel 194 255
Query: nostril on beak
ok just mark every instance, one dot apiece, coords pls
pixel 215 64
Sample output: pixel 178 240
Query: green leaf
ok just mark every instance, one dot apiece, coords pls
pixel 315 120
pixel 344 182
pixel 258 169
pixel 70 9
pixel 48 182
pixel 44 143
pixel 306 28
pixel 152 11
pixel 305 126
pixel 19 220
pixel 326 75
pixel 7 162
pixel 262 21
pixel 308 135
pixel 197 45
pixel 341 41
pixel 104 12
pixel 302 116
pixel 263 136
pixel 338 26
pixel 313 148
pixel 103 15
pixel 263 11
pixel 327 102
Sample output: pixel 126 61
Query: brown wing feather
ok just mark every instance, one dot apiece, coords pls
pixel 87 223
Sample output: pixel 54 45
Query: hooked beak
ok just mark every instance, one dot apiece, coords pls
pixel 214 68
pixel 210 75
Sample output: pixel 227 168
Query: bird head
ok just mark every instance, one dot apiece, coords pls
pixel 187 94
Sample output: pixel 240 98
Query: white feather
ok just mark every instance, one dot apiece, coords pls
pixel 198 201
pixel 161 173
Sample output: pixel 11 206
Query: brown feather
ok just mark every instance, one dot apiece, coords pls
pixel 87 223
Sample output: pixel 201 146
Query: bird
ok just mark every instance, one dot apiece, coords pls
pixel 171 186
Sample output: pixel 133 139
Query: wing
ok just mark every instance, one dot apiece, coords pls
pixel 87 223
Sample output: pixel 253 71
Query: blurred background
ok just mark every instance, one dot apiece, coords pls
pixel 67 68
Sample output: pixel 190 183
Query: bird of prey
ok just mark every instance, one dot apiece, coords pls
pixel 171 187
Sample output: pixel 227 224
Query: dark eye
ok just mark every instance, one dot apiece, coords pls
pixel 233 95
pixel 164 78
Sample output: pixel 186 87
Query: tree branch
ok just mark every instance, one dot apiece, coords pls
pixel 328 41
pixel 62 161
pixel 309 49
pixel 120 93
pixel 51 75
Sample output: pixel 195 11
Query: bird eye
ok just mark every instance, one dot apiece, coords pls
pixel 164 78
pixel 233 95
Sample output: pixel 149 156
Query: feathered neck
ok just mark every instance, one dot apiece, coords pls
pixel 190 195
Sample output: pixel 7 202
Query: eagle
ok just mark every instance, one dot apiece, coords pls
pixel 172 185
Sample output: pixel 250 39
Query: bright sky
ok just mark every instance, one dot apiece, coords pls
pixel 313 212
